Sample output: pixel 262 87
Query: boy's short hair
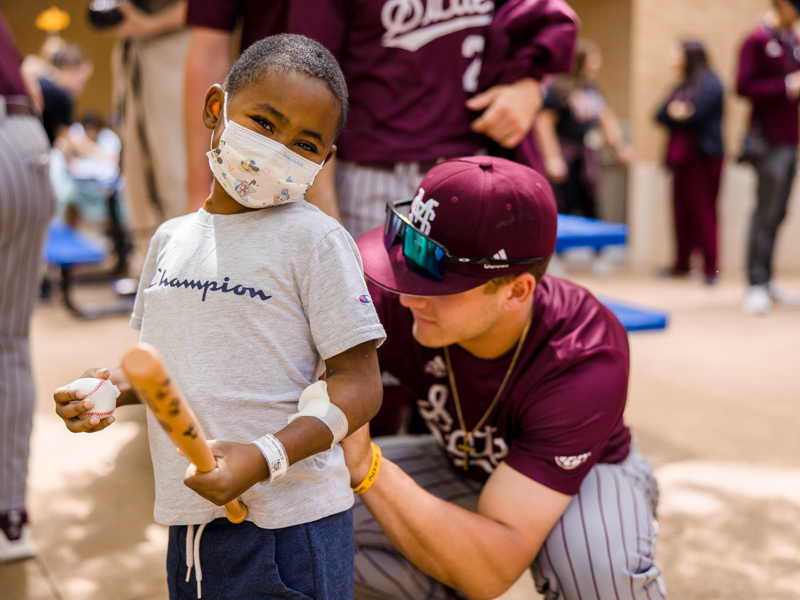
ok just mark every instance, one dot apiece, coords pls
pixel 288 52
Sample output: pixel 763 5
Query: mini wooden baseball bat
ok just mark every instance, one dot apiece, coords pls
pixel 150 379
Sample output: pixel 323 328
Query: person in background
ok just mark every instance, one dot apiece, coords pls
pixel 769 77
pixel 147 64
pixel 574 124
pixel 61 78
pixel 428 86
pixel 693 115
pixel 26 205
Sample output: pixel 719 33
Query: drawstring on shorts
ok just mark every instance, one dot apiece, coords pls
pixel 193 555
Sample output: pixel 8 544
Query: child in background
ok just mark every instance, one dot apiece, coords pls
pixel 250 301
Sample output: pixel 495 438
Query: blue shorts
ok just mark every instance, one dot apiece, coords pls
pixel 242 562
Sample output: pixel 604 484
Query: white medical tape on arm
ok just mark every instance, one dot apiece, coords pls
pixel 315 402
pixel 275 453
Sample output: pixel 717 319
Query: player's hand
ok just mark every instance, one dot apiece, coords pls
pixel 556 169
pixel 135 23
pixel 508 111
pixel 70 406
pixel 239 467
pixel 357 454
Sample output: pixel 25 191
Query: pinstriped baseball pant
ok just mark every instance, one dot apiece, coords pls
pixel 363 191
pixel 602 548
pixel 27 204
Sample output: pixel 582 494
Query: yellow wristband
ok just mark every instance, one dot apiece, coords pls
pixel 374 467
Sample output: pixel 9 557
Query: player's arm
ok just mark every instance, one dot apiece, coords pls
pixel 609 125
pixel 354 386
pixel 70 403
pixel 545 129
pixel 207 62
pixel 480 554
pixel 137 23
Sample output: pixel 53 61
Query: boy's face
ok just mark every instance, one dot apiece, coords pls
pixel 294 109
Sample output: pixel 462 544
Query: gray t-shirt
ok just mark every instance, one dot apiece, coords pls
pixel 244 309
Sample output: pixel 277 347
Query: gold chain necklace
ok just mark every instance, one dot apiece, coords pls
pixel 466 447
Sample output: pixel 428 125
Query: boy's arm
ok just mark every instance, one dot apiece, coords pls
pixel 70 408
pixel 354 385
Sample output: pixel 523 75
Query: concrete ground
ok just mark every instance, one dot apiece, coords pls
pixel 714 401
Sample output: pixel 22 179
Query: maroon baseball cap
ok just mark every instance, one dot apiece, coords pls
pixel 478 206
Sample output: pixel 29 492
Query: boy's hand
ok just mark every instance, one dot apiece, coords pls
pixel 70 406
pixel 239 467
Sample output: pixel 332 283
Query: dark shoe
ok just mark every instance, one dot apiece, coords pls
pixel 15 536
pixel 710 279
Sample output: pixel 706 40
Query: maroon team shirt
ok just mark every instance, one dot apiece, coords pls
pixel 259 19
pixel 766 58
pixel 11 82
pixel 561 412
pixel 411 64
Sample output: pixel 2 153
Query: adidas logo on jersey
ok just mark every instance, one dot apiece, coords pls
pixel 568 463
pixel 501 255
pixel 436 367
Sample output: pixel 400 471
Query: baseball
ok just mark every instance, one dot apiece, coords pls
pixel 101 391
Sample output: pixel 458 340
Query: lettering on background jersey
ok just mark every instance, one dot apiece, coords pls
pixel 490 449
pixel 410 24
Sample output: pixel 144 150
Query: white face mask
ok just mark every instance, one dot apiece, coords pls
pixel 256 171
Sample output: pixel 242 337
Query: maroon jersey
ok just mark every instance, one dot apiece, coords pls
pixel 259 19
pixel 766 58
pixel 561 411
pixel 411 65
pixel 11 82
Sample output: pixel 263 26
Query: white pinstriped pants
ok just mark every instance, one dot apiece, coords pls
pixel 363 191
pixel 27 204
pixel 602 548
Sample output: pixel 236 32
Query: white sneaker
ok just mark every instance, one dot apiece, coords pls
pixel 757 300
pixel 14 525
pixel 783 296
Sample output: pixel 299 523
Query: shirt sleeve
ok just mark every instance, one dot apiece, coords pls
pixel 335 298
pixel 213 14
pixel 569 418
pixel 328 25
pixel 749 82
pixel 528 39
pixel 149 273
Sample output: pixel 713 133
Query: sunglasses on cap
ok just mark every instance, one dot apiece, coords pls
pixel 424 256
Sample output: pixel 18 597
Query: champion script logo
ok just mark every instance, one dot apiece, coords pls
pixel 410 24
pixel 208 286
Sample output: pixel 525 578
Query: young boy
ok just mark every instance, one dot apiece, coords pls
pixel 244 300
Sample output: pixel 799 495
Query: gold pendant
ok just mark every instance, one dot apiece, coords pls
pixel 466 447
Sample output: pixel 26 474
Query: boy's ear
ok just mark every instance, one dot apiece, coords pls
pixel 331 154
pixel 212 108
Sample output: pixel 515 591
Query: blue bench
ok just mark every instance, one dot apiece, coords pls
pixel 580 232
pixel 67 249
pixel 636 318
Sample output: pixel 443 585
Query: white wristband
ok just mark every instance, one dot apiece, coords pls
pixel 315 402
pixel 275 453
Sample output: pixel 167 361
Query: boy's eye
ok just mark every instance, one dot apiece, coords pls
pixel 307 147
pixel 263 122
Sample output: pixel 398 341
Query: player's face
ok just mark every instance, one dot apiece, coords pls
pixel 469 319
pixel 294 109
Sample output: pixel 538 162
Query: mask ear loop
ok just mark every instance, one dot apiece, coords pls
pixel 224 119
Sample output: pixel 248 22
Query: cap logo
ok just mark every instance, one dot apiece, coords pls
pixel 500 255
pixel 422 213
